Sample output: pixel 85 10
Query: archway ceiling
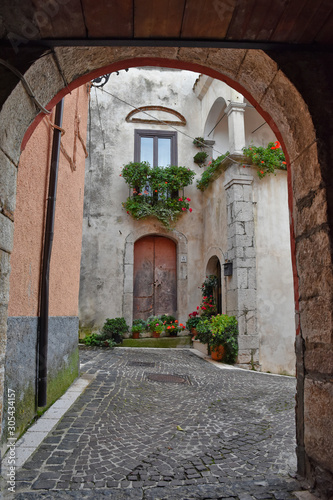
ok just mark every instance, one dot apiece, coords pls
pixel 29 27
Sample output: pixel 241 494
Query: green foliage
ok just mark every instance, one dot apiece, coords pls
pixel 224 331
pixel 208 175
pixel 203 331
pixel 137 328
pixel 193 321
pixel 162 200
pixel 97 339
pixel 199 142
pixel 200 157
pixel 155 324
pixel 208 286
pixel 140 322
pixel 114 329
pixel 220 330
pixel 167 319
pixel 266 159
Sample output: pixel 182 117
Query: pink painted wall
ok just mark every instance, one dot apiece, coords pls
pixel 32 188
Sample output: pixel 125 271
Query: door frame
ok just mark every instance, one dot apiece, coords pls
pixel 182 282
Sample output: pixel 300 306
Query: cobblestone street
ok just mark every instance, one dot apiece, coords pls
pixel 166 424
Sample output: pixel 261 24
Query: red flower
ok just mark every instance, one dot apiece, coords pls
pixel 203 308
pixel 140 194
pixel 183 208
pixel 190 209
pixel 277 144
pixel 127 211
pixel 262 162
pixel 284 163
pixel 197 307
pixel 180 199
pixel 176 321
pixel 261 172
pixel 168 327
pixel 244 166
pixel 166 182
pixel 119 175
pixel 155 190
pixel 188 199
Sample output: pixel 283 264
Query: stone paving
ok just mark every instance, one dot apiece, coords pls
pixel 200 432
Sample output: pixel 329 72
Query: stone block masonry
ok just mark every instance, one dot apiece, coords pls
pixel 241 288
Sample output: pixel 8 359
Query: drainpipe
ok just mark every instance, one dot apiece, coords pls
pixel 43 323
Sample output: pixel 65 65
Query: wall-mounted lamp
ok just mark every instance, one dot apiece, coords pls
pixel 227 268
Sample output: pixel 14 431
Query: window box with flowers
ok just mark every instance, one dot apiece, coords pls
pixel 157 191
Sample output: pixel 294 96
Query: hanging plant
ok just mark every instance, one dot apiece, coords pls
pixel 267 159
pixel 155 191
pixel 199 142
pixel 200 158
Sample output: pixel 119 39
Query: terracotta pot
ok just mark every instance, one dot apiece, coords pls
pixel 218 353
pixel 136 335
pixel 194 331
pixel 156 335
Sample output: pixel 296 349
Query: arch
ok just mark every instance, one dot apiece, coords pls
pixel 256 76
pixel 181 119
pixel 215 113
pixel 214 267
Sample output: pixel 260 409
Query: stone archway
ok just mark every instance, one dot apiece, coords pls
pixel 260 80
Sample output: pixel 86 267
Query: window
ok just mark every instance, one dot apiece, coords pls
pixel 158 148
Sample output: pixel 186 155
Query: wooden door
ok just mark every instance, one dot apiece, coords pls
pixel 155 277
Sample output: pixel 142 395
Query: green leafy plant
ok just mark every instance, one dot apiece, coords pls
pixel 199 142
pixel 137 329
pixel 203 331
pixel 167 319
pixel 224 331
pixel 114 329
pixel 155 191
pixel 155 324
pixel 209 285
pixel 200 158
pixel 266 159
pixel 207 176
pixel 97 339
pixel 194 319
pixel 140 322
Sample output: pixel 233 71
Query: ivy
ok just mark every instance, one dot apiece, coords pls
pixel 207 176
pixel 266 159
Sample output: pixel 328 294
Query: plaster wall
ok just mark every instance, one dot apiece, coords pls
pixel 275 290
pixel 32 188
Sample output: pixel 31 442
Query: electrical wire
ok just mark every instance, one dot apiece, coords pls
pixel 25 85
pixel 156 119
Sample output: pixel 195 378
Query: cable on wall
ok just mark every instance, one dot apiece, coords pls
pixel 25 85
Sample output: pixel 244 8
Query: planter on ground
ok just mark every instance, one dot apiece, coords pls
pixel 218 353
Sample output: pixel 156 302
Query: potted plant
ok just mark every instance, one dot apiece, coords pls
pixel 138 327
pixel 156 326
pixel 223 338
pixel 200 158
pixel 114 329
pixel 136 330
pixel 193 321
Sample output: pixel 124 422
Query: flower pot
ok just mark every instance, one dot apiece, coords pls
pixel 194 331
pixel 218 353
pixel 136 335
pixel 156 335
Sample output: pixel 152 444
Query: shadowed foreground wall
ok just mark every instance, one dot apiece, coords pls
pixel 23 309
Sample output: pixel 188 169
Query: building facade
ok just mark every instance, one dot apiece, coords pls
pixel 138 115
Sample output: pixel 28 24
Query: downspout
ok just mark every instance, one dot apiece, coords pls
pixel 43 323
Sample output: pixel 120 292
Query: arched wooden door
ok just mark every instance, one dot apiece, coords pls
pixel 155 277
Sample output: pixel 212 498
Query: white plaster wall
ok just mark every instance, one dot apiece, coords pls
pixel 275 293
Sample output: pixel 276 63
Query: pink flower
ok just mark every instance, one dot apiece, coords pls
pixel 183 208
pixel 180 199
pixel 190 209
pixel 188 199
